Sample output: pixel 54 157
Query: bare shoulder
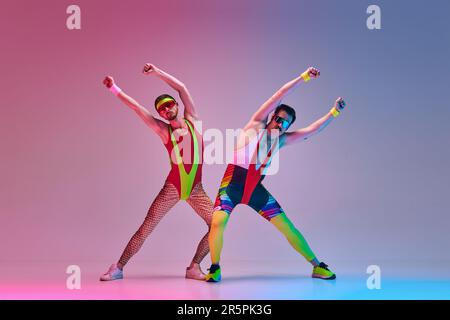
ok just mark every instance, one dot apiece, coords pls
pixel 283 140
pixel 162 130
pixel 193 119
pixel 293 136
pixel 254 125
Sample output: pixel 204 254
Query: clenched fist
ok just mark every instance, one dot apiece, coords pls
pixel 108 82
pixel 313 72
pixel 339 104
pixel 149 68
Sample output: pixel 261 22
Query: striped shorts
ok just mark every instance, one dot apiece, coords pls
pixel 231 192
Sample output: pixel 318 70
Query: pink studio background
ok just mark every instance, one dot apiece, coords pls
pixel 79 169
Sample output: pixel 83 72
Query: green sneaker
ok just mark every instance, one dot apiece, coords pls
pixel 214 274
pixel 322 272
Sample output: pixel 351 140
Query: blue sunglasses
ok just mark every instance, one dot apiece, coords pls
pixel 284 123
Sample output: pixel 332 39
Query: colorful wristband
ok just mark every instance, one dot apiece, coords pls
pixel 305 76
pixel 335 112
pixel 115 89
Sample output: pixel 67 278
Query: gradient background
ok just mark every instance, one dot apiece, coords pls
pixel 79 169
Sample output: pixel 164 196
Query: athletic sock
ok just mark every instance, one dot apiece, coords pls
pixel 214 268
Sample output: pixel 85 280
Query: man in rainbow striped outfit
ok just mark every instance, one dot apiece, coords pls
pixel 241 182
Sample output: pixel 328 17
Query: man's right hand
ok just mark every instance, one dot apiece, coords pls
pixel 313 72
pixel 108 82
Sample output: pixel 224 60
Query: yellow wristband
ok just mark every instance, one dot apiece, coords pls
pixel 335 112
pixel 305 76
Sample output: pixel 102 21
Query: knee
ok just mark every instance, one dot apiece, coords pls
pixel 219 220
pixel 208 219
pixel 143 232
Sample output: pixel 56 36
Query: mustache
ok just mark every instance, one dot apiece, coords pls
pixel 171 115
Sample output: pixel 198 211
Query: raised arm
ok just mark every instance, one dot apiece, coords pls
pixel 157 125
pixel 267 107
pixel 317 126
pixel 189 109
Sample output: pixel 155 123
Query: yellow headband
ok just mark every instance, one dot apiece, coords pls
pixel 161 102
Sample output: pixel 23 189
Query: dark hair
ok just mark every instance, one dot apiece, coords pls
pixel 289 110
pixel 163 96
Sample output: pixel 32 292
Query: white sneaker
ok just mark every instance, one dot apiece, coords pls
pixel 195 273
pixel 113 273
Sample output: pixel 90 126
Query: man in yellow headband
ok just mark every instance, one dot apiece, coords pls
pixel 178 134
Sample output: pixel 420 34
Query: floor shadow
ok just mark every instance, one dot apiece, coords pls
pixel 154 277
pixel 226 279
pixel 266 277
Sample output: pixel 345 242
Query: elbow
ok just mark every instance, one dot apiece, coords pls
pixel 181 87
pixel 312 131
pixel 282 92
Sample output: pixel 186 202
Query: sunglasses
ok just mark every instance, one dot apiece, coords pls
pixel 167 105
pixel 284 123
